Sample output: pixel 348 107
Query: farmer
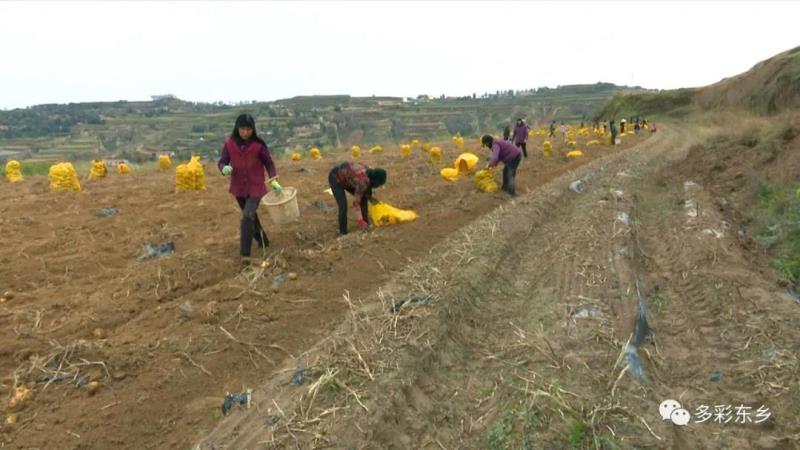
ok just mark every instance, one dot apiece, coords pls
pixel 358 180
pixel 613 127
pixel 552 129
pixel 563 129
pixel 521 136
pixel 244 158
pixel 507 133
pixel 510 155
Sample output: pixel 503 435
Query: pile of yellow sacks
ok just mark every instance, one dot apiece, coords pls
pixel 315 154
pixel 385 214
pixel 484 181
pixel 98 169
pixel 190 176
pixel 13 171
pixel 63 177
pixel 462 165
pixel 123 169
pixel 355 151
pixel 164 163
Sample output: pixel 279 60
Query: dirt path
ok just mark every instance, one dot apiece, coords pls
pixel 527 341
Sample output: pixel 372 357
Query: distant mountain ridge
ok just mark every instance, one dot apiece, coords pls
pixel 138 130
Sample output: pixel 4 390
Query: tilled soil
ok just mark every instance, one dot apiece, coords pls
pixel 121 353
pixel 558 320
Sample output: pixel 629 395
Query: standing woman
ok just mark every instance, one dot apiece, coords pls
pixel 244 158
pixel 521 136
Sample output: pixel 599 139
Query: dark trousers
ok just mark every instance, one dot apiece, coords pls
pixel 250 227
pixel 510 175
pixel 341 202
pixel 523 146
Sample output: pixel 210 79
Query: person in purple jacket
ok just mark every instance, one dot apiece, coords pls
pixel 244 158
pixel 521 136
pixel 510 155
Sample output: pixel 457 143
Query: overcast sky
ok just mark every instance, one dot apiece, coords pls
pixel 60 52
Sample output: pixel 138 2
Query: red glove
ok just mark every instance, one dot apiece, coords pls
pixel 362 224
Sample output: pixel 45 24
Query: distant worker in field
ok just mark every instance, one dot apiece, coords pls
pixel 636 127
pixel 622 126
pixel 359 180
pixel 563 129
pixel 520 137
pixel 510 155
pixel 613 127
pixel 244 158
pixel 507 133
pixel 552 129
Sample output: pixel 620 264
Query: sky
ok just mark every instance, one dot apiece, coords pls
pixel 62 52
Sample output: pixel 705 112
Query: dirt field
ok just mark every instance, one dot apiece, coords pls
pixel 121 353
pixel 524 341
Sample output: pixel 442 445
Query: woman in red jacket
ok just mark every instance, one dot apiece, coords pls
pixel 244 158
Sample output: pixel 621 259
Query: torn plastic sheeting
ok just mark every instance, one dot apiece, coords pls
pixel 151 251
pixel 278 280
pixel 577 186
pixel 584 312
pixel 272 420
pixel 423 299
pixel 232 400
pixel 641 330
pixel 299 376
pixel 106 212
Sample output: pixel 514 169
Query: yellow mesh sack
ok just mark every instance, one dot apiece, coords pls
pixel 484 181
pixel 355 151
pixel 123 169
pixel 449 173
pixel 315 154
pixel 13 171
pixel 164 163
pixel 593 142
pixel 575 154
pixel 63 177
pixel 426 146
pixel 405 150
pixel 547 148
pixel 385 214
pixel 436 154
pixel 466 162
pixel 98 169
pixel 415 143
pixel 296 156
pixel 190 176
pixel 458 141
pixel 376 149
